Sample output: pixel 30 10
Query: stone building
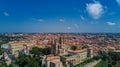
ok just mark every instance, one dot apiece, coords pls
pixel 52 61
pixel 58 47
pixel 74 57
pixel 16 47
pixel 62 56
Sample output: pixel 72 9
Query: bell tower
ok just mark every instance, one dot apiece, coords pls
pixel 58 46
pixel 90 52
pixel 61 40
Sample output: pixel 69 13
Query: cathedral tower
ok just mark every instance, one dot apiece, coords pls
pixel 58 46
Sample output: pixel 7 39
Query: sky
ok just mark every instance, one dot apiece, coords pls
pixel 60 16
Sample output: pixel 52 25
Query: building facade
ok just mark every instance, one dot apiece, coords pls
pixel 58 47
pixel 65 56
pixel 16 47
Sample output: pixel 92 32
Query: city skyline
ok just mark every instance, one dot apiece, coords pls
pixel 60 16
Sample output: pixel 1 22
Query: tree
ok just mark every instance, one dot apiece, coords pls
pixel 27 61
pixel 114 56
pixel 85 46
pixel 3 64
pixel 104 57
pixel 109 65
pixel 46 51
pixel 73 47
pixel 1 52
pixel 36 51
pixel 10 65
pixel 96 57
pixel 40 51
pixel 114 63
pixel 109 59
pixel 33 63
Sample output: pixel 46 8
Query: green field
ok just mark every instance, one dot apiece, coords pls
pixel 118 64
pixel 101 64
pixel 104 64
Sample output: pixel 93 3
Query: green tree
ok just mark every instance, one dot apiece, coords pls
pixel 3 64
pixel 85 46
pixel 46 51
pixel 40 51
pixel 73 47
pixel 114 63
pixel 96 57
pixel 27 61
pixel 1 52
pixel 109 65
pixel 36 51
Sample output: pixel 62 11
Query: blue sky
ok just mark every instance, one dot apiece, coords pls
pixel 60 16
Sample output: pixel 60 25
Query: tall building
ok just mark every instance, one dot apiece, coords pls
pixel 62 56
pixel 58 47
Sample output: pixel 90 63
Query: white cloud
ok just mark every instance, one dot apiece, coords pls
pixel 118 1
pixel 76 25
pixel 111 23
pixel 61 20
pixel 40 20
pixel 5 14
pixel 95 9
pixel 68 28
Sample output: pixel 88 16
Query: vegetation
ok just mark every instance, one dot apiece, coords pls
pixel 118 64
pixel 33 61
pixel 36 51
pixel 101 64
pixel 117 48
pixel 40 51
pixel 5 65
pixel 112 59
pixel 73 47
pixel 5 39
pixel 85 46
pixel 1 52
pixel 46 51
pixel 88 61
pixel 3 42
pixel 27 61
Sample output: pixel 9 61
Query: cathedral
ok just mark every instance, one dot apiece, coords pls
pixel 62 56
pixel 58 47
